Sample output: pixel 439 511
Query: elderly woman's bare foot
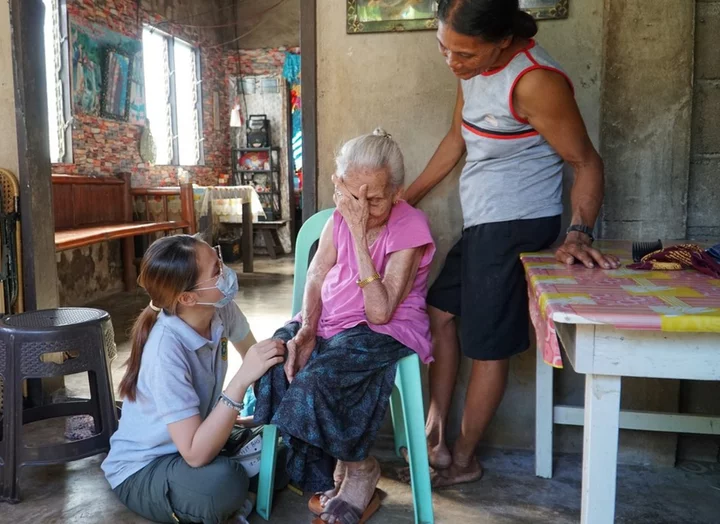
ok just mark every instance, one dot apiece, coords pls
pixel 357 490
pixel 317 502
pixel 338 477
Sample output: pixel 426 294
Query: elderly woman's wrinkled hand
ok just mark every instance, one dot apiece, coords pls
pixel 299 350
pixel 355 210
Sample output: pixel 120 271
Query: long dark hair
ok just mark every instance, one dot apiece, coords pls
pixel 168 269
pixel 492 20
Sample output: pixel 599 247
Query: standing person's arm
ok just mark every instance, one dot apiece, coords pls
pixel 546 100
pixel 446 157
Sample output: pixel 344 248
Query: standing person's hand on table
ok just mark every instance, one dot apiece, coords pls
pixel 578 248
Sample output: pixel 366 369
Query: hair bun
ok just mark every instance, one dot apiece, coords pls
pixel 379 131
pixel 524 24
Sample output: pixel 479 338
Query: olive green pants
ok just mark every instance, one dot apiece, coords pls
pixel 169 490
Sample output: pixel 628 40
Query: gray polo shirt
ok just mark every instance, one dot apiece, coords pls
pixel 181 375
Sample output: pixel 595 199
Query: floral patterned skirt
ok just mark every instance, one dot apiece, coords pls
pixel 336 404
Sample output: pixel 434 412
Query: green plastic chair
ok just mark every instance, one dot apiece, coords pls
pixel 406 402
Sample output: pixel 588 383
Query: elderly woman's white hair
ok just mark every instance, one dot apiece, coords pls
pixel 374 151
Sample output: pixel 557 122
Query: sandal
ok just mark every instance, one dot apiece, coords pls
pixel 315 506
pixel 348 514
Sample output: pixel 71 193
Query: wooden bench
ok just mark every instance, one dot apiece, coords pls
pixel 90 210
pixel 269 231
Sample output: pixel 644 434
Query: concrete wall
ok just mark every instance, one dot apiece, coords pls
pixel 704 191
pixel 703 221
pixel 276 27
pixel 86 273
pixel 646 101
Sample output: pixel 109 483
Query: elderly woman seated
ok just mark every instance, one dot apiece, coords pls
pixel 363 310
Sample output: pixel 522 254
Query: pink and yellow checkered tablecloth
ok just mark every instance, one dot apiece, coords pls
pixel 672 301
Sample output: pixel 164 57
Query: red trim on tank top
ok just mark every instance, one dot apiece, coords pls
pixel 514 136
pixel 526 71
pixel 520 51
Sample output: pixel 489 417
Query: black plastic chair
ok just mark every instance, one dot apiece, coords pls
pixel 87 336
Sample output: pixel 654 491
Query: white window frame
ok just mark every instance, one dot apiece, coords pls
pixel 61 48
pixel 175 153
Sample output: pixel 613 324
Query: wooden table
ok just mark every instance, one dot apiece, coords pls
pixel 614 324
pixel 234 205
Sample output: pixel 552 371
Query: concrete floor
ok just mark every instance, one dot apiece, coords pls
pixel 509 493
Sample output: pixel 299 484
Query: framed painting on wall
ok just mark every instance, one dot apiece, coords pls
pixel 86 75
pixel 88 45
pixel 545 9
pixel 116 87
pixel 381 16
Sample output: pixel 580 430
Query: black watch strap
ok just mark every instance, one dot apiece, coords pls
pixel 581 229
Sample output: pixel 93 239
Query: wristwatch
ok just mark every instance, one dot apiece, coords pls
pixel 580 228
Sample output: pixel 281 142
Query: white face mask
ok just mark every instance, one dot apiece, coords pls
pixel 227 284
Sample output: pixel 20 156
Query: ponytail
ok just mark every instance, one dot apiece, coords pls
pixel 168 269
pixel 139 335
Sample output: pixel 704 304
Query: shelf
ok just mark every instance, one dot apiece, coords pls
pixel 255 149
pixel 268 179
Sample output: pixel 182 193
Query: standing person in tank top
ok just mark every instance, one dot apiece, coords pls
pixel 517 120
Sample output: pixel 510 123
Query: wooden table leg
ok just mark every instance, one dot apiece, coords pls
pixel 543 417
pixel 600 447
pixel 269 243
pixel 247 237
pixel 278 243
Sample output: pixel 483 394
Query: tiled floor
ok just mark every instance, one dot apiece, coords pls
pixel 509 493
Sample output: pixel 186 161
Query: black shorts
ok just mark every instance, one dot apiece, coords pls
pixel 483 282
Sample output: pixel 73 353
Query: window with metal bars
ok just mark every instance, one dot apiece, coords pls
pixel 57 81
pixel 173 98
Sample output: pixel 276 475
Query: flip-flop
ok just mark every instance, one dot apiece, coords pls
pixel 349 514
pixel 315 506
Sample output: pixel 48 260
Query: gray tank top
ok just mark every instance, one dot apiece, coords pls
pixel 511 172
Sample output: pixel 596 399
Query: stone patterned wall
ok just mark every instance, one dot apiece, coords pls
pixel 105 147
pixel 258 61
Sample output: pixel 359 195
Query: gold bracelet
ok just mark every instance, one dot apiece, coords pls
pixel 364 282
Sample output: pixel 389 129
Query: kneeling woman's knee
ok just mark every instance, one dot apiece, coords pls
pixel 229 486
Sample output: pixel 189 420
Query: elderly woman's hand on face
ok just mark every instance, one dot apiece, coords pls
pixel 355 210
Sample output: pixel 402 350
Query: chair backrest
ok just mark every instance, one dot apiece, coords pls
pixel 309 234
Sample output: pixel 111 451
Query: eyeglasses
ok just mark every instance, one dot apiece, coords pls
pixel 221 265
